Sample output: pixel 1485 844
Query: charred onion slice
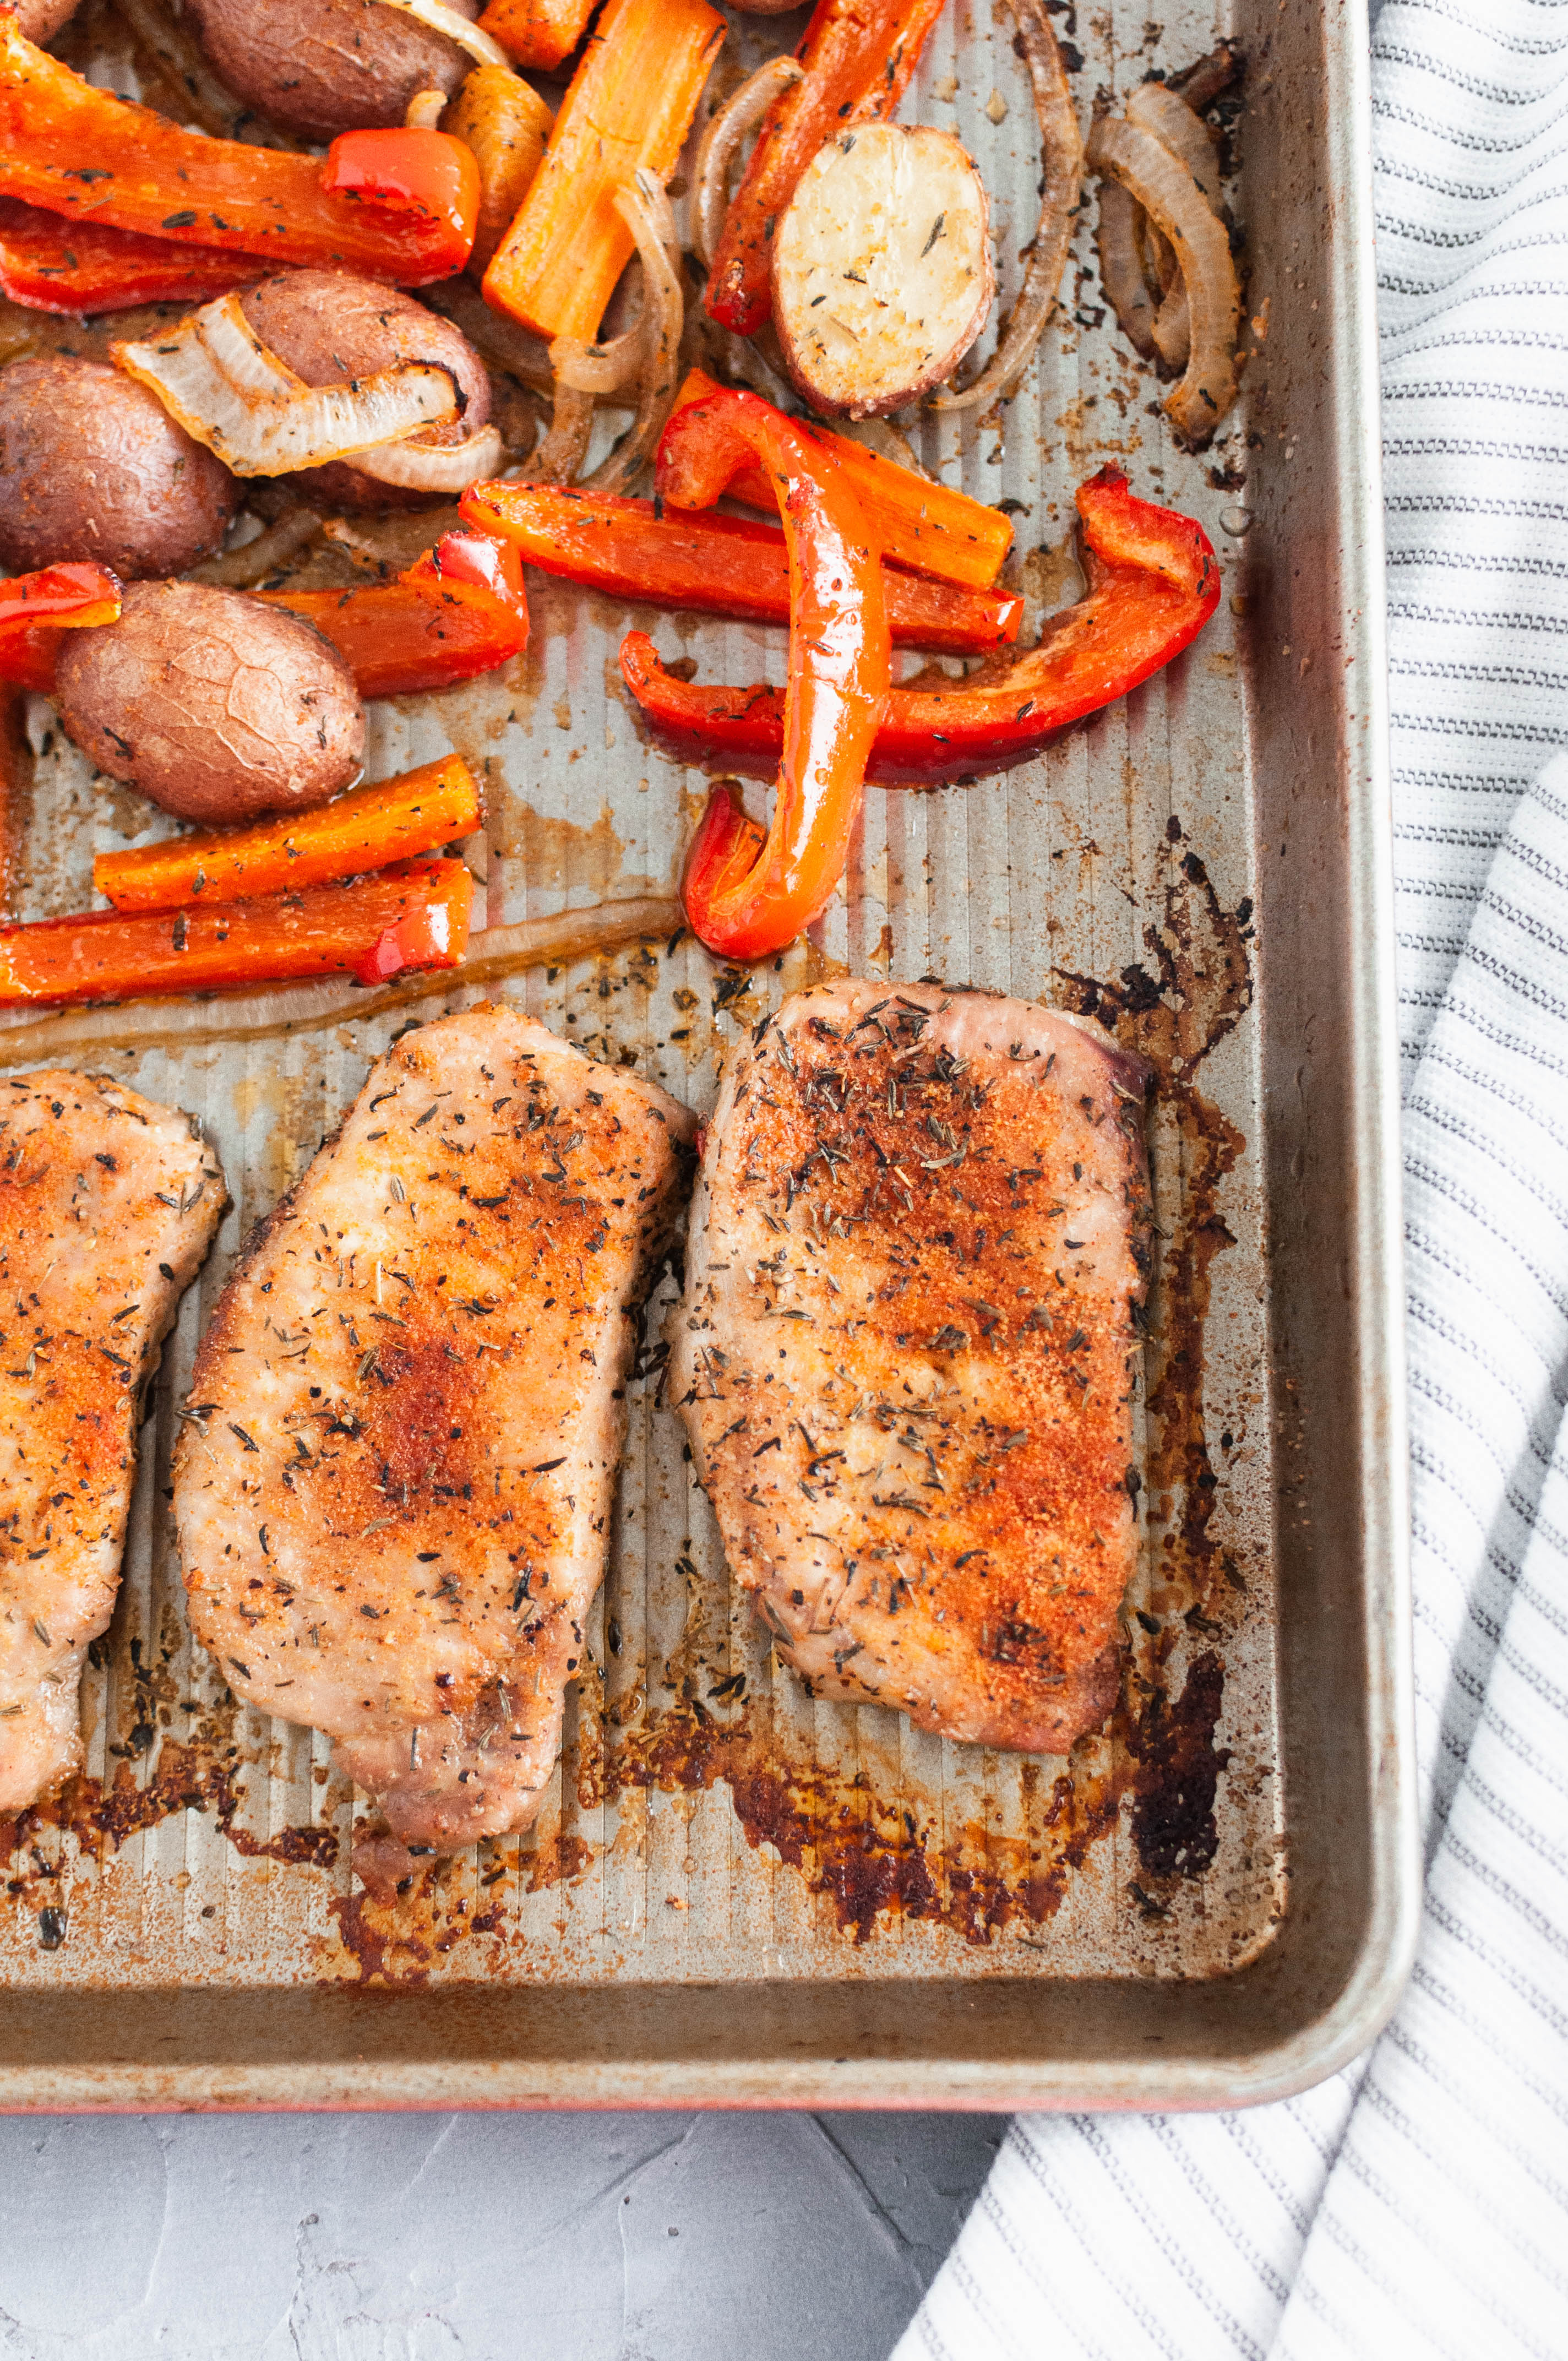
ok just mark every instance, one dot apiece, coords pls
pixel 716 151
pixel 438 18
pixel 1174 203
pixel 219 381
pixel 882 269
pixel 1122 268
pixel 1061 178
pixel 645 210
pixel 560 454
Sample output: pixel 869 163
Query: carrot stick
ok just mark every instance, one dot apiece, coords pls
pixel 367 829
pixel 537 33
pixel 415 916
pixel 859 56
pixel 630 102
pixel 923 526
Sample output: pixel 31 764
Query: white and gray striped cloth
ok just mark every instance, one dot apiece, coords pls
pixel 1417 2203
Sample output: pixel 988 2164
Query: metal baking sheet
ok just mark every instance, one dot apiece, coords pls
pixel 733 1895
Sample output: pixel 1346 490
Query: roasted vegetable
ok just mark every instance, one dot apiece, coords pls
pixel 319 67
pixel 460 611
pixel 412 916
pixel 404 213
pixel 715 565
pixel 506 123
pixel 747 889
pixel 213 704
pixel 92 468
pixel 367 829
pixel 915 522
pixel 882 269
pixel 1154 583
pixel 630 107
pixel 80 268
pixel 537 32
pixel 859 56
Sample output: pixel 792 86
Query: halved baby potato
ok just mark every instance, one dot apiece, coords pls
pixel 882 269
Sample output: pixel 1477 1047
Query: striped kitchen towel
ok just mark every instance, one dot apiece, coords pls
pixel 1417 2204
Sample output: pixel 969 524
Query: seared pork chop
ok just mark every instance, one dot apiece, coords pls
pixel 107 1204
pixel 906 1351
pixel 394 1511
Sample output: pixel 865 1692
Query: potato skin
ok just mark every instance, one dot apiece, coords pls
pixel 320 67
pixel 40 20
pixel 92 467
pixel 330 326
pixel 217 706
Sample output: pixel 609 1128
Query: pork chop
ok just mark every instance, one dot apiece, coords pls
pixel 107 1204
pixel 906 1351
pixel 393 1505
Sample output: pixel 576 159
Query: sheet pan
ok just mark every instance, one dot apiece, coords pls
pixel 734 1896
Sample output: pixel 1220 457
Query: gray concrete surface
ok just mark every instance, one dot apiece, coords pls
pixel 596 2237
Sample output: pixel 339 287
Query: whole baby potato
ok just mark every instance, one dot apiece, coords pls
pixel 215 706
pixel 320 67
pixel 330 326
pixel 41 20
pixel 92 467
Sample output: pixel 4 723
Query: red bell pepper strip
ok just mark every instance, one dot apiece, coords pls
pixel 461 610
pixel 412 916
pixel 80 268
pixel 925 526
pixel 747 894
pixel 85 153
pixel 400 171
pixel 719 564
pixel 859 56
pixel 36 607
pixel 1154 583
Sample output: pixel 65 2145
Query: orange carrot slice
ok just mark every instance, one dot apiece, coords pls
pixel 630 102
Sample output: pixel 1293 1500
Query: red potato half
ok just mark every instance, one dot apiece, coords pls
pixel 882 269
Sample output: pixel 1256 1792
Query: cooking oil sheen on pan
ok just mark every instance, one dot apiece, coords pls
pixel 707 1821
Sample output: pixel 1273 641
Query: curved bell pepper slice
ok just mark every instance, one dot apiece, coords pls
pixel 1154 581
pixel 748 892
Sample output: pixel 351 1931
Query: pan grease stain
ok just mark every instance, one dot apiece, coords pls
pixel 185 1779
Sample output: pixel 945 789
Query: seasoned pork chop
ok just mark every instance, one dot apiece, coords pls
pixel 906 1351
pixel 394 1511
pixel 107 1205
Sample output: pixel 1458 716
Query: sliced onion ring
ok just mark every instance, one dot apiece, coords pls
pixel 448 468
pixel 218 380
pixel 1121 269
pixel 438 18
pixel 1061 178
pixel 715 150
pixel 645 210
pixel 1177 206
pixel 598 368
pixel 1154 107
